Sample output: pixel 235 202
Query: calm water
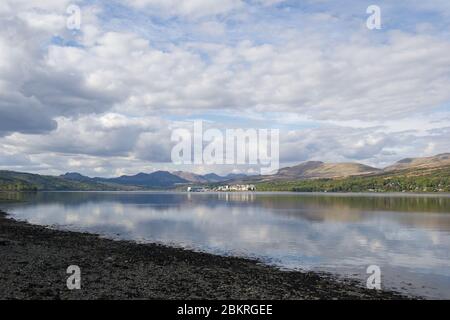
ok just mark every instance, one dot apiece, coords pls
pixel 408 236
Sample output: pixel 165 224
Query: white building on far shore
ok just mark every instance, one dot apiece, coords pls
pixel 224 188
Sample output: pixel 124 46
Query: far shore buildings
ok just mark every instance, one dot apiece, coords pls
pixel 225 188
pixel 237 187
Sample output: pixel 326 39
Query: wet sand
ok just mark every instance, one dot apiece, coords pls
pixel 34 260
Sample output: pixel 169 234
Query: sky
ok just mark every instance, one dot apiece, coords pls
pixel 104 99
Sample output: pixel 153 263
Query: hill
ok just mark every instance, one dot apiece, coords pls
pixel 75 176
pixel 18 181
pixel 409 180
pixel 191 177
pixel 437 161
pixel 158 179
pixel 207 178
pixel 318 169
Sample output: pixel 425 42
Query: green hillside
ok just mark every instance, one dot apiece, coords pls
pixel 16 181
pixel 415 180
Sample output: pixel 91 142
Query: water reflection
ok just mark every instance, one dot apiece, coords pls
pixel 407 236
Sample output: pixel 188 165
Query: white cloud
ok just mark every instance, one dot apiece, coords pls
pixel 354 81
pixel 188 8
pixel 110 87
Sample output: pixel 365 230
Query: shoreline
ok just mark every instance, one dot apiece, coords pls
pixel 34 260
pixel 369 193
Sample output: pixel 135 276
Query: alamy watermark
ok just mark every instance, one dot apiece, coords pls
pixel 73 21
pixel 374 20
pixel 374 280
pixel 74 280
pixel 259 147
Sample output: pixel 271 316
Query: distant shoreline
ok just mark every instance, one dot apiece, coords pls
pixel 368 193
pixel 430 174
pixel 35 259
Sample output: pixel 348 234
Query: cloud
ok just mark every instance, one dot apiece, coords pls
pixel 21 39
pixel 104 93
pixel 357 80
pixel 188 8
pixel 103 136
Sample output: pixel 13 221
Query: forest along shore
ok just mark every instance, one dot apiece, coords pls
pixel 34 260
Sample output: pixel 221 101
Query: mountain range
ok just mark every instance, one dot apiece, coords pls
pixel 311 170
pixel 437 161
pixel 318 169
pixel 157 179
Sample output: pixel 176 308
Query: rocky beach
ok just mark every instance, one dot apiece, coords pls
pixel 34 260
